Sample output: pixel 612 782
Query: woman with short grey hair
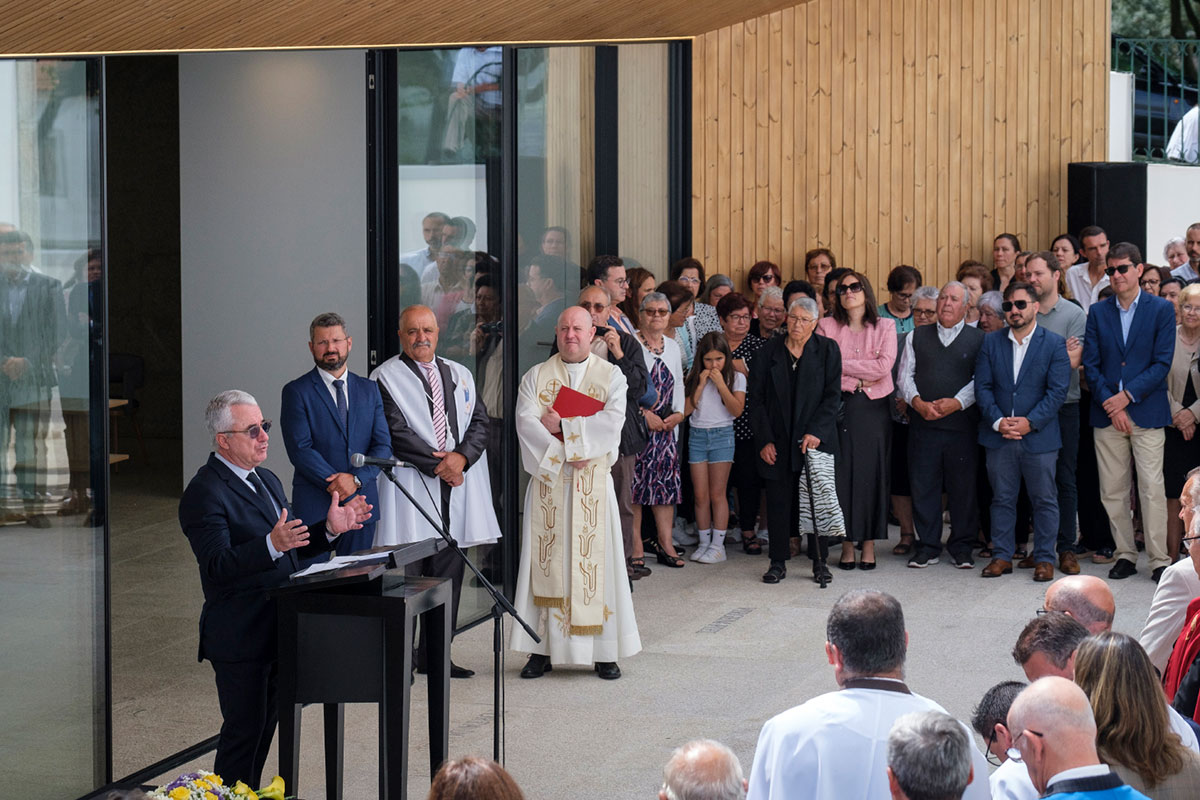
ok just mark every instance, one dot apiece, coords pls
pixel 991 316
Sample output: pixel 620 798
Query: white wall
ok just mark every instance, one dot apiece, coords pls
pixel 273 223
pixel 1120 116
pixel 1171 205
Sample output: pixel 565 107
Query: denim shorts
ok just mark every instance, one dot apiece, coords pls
pixel 713 445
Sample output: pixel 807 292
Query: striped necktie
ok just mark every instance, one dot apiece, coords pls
pixel 439 401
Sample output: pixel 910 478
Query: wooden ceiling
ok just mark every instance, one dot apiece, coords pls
pixel 50 27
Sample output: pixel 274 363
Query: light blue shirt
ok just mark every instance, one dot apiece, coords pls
pixel 1127 316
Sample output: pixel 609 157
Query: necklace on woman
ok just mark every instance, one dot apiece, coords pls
pixel 658 351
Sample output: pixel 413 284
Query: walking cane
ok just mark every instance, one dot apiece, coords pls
pixel 818 549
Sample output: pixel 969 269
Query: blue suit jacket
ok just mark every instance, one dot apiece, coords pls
pixel 318 445
pixel 1142 363
pixel 1037 395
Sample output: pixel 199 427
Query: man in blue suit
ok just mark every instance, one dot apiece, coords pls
pixel 1022 375
pixel 247 541
pixel 327 415
pixel 1127 352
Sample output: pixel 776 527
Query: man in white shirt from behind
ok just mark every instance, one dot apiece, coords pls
pixel 835 745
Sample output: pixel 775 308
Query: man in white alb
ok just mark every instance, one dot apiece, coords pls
pixel 571 585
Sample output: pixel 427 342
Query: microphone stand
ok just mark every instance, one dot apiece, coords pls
pixel 500 606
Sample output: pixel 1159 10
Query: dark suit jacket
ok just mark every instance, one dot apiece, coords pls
pixel 318 445
pixel 227 523
pixel 777 416
pixel 1142 363
pixel 1038 394
pixel 37 330
pixel 408 446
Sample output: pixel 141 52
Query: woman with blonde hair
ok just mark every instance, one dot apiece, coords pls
pixel 1134 734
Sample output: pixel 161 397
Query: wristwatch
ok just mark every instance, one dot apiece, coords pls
pixel 357 482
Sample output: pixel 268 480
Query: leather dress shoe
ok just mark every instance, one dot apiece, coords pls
pixel 1068 564
pixel 1122 569
pixel 997 567
pixel 537 666
pixel 455 671
pixel 1044 571
pixel 1026 563
pixel 608 670
pixel 1157 574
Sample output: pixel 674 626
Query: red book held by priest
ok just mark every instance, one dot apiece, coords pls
pixel 571 403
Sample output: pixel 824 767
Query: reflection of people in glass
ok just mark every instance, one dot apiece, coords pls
pixel 424 261
pixel 546 280
pixel 32 318
pixel 555 241
pixel 476 95
pixel 74 375
pixel 447 292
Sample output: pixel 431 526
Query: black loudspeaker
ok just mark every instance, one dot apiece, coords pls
pixel 1112 196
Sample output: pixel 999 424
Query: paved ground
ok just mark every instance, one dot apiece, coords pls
pixel 722 653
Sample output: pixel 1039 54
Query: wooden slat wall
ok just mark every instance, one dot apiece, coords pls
pixel 893 131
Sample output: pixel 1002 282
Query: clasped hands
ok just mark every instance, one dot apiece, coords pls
pixel 288 534
pixel 1115 408
pixel 937 409
pixel 1014 427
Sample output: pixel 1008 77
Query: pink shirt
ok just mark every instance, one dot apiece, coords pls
pixel 867 355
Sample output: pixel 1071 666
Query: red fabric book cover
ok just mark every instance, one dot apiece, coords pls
pixel 571 403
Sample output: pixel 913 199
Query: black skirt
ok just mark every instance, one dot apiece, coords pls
pixel 864 465
pixel 1179 457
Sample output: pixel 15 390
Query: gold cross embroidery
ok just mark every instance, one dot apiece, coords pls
pixel 573 438
pixel 555 460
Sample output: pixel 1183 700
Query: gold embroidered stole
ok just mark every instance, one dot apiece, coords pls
pixel 585 492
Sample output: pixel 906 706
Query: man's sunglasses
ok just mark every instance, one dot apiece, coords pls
pixel 1009 305
pixel 254 430
pixel 1121 268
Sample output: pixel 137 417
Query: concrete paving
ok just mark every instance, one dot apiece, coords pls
pixel 722 652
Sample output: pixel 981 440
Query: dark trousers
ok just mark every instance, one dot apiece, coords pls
pixel 940 459
pixel 1094 530
pixel 749 485
pixel 622 477
pixel 783 504
pixel 1008 465
pixel 444 564
pixel 1064 476
pixel 249 711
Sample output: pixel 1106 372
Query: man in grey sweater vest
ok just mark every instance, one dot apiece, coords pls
pixel 937 379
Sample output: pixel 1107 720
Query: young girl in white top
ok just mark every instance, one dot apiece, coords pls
pixel 716 395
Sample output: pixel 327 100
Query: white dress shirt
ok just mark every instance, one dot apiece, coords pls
pixel 244 473
pixel 1080 284
pixel 908 367
pixel 1019 351
pixel 329 378
pixel 1011 781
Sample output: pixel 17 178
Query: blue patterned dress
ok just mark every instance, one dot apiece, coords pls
pixel 656 472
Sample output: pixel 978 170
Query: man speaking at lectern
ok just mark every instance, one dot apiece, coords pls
pixel 238 522
pixel 571 584
pixel 440 426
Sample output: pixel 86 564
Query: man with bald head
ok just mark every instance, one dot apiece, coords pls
pixel 1054 733
pixel 571 583
pixel 703 770
pixel 439 425
pixel 1086 598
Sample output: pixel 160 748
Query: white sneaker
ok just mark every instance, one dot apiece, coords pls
pixel 681 535
pixel 715 554
pixel 704 541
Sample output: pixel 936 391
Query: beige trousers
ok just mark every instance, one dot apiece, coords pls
pixel 1115 452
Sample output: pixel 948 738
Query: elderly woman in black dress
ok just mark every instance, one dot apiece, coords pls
pixel 794 396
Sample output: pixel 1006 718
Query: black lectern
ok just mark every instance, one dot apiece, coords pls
pixel 345 636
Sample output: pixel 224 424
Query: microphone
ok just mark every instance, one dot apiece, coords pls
pixel 359 460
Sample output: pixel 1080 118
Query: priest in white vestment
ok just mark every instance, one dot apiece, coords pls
pixel 835 745
pixel 571 584
pixel 438 424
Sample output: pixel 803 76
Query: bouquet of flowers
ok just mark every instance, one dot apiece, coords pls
pixel 207 786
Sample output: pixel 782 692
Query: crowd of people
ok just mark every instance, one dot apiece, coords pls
pixel 816 407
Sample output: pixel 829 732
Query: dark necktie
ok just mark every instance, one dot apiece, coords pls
pixel 261 489
pixel 340 384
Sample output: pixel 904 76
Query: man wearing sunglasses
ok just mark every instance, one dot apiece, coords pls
pixel 247 541
pixel 1022 375
pixel 1127 351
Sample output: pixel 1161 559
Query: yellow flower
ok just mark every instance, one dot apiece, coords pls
pixel 215 780
pixel 178 793
pixel 202 784
pixel 210 796
pixel 240 789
